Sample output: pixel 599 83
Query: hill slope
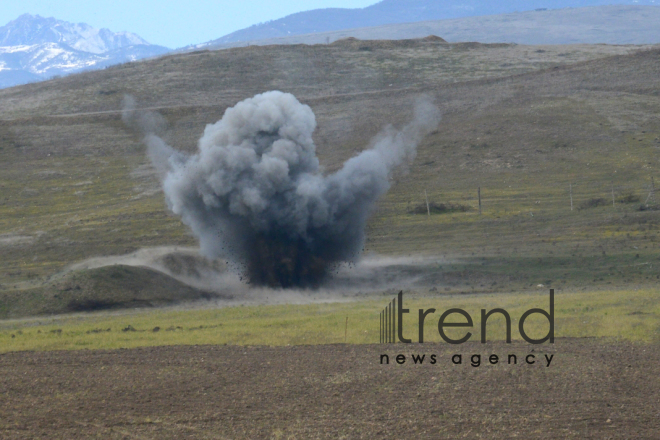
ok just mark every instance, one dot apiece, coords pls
pixel 523 123
pixel 398 11
pixel 615 24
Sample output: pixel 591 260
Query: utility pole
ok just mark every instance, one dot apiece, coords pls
pixel 428 209
pixel 570 190
pixel 613 195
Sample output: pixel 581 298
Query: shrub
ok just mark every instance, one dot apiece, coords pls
pixel 628 198
pixel 439 208
pixel 593 203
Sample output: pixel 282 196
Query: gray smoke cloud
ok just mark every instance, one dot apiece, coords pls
pixel 254 192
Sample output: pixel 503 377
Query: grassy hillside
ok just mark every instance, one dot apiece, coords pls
pixel 523 123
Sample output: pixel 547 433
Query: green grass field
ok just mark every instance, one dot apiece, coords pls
pixel 619 314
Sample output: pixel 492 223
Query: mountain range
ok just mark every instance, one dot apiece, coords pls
pixel 400 11
pixel 34 48
pixel 613 24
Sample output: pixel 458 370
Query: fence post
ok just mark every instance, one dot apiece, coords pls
pixel 651 195
pixel 479 194
pixel 652 189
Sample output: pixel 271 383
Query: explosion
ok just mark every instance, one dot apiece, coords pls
pixel 254 192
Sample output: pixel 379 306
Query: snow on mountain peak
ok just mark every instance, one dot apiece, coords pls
pixel 34 29
pixel 33 48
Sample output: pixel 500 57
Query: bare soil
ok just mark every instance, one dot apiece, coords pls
pixel 592 389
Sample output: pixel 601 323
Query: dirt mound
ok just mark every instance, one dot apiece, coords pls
pixel 434 38
pixel 366 45
pixel 109 287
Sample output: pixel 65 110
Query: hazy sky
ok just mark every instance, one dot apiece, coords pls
pixel 171 23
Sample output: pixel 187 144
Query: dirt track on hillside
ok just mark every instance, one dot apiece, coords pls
pixel 592 389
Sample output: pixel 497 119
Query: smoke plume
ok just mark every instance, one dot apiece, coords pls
pixel 254 192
